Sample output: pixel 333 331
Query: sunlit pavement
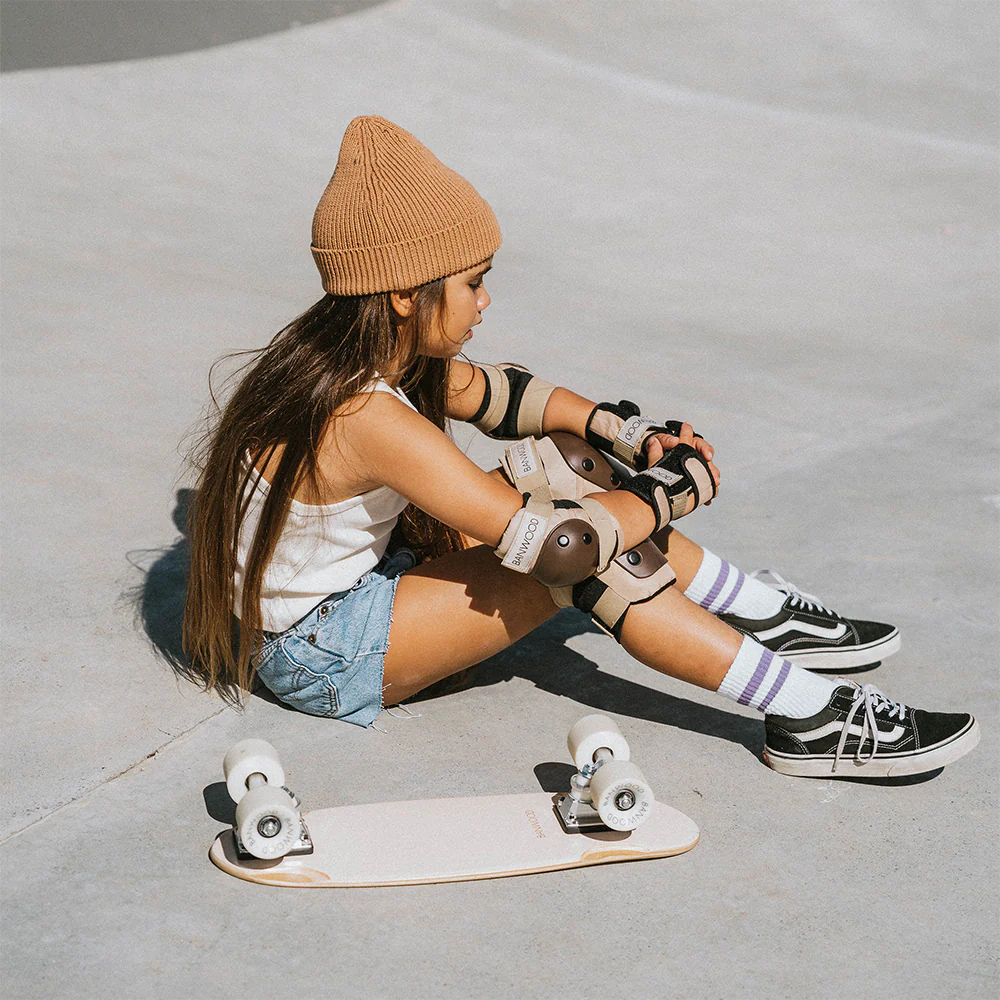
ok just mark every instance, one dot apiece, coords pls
pixel 777 221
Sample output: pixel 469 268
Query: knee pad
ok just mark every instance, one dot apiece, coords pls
pixel 634 577
pixel 558 466
pixel 560 542
pixel 513 403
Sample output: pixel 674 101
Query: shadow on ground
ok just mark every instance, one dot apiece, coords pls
pixel 541 657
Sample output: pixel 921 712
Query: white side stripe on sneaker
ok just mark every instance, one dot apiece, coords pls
pixel 821 631
pixel 884 736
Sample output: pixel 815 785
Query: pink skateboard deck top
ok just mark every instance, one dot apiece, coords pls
pixel 452 840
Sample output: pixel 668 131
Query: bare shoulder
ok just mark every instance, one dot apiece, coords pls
pixel 357 435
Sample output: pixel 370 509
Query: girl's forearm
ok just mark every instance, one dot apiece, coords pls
pixel 566 411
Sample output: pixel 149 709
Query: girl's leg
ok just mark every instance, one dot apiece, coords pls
pixel 461 609
pixel 683 555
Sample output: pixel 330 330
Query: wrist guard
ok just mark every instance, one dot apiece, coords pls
pixel 513 403
pixel 674 486
pixel 620 430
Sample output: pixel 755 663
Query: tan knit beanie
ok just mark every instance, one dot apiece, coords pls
pixel 394 217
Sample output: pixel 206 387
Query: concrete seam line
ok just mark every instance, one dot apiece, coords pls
pixel 65 805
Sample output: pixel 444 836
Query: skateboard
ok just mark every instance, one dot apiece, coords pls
pixel 608 814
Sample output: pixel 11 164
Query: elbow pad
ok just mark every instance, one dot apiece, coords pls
pixel 620 430
pixel 513 403
pixel 560 542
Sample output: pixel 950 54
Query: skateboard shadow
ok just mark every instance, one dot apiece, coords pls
pixel 218 804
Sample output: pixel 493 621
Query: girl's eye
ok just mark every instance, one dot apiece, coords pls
pixel 476 285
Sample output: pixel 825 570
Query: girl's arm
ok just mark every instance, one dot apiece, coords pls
pixel 389 443
pixel 565 411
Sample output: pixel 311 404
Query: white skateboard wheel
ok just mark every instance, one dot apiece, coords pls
pixel 590 734
pixel 622 795
pixel 268 822
pixel 251 757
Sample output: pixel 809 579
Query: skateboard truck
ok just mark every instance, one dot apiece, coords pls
pixel 576 808
pixel 608 792
pixel 271 826
pixel 268 823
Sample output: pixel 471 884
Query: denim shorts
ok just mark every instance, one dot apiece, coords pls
pixel 330 662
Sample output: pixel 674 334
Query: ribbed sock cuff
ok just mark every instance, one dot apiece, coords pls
pixel 720 587
pixel 765 681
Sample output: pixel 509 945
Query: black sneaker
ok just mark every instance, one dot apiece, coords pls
pixel 862 733
pixel 812 636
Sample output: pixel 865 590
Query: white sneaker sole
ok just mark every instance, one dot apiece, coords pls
pixel 882 765
pixel 833 660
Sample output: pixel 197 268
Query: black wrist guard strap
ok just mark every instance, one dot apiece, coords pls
pixel 620 430
pixel 675 486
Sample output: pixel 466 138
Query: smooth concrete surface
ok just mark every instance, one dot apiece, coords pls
pixel 776 220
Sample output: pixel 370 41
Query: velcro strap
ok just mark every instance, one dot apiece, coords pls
pixel 522 541
pixel 514 402
pixel 532 408
pixel 609 531
pixel 524 468
pixel 675 486
pixel 628 442
pixel 607 596
pixel 498 389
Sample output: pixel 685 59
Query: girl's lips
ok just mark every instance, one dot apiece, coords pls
pixel 468 335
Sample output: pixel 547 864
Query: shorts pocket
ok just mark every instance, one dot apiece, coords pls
pixel 306 686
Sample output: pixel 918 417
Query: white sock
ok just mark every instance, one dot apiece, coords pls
pixel 719 587
pixel 763 680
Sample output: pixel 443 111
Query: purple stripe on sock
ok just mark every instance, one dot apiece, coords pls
pixel 776 686
pixel 758 676
pixel 717 586
pixel 732 595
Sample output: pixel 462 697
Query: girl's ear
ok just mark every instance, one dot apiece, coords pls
pixel 404 302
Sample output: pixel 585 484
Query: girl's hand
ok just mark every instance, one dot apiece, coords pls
pixel 659 444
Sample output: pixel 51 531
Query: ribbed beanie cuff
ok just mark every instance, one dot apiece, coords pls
pixel 394 217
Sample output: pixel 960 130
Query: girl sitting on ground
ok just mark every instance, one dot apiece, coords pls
pixel 366 557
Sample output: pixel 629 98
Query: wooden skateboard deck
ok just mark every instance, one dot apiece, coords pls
pixel 452 840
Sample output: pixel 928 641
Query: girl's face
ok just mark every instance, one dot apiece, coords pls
pixel 465 298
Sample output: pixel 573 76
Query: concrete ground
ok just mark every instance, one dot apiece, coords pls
pixel 777 220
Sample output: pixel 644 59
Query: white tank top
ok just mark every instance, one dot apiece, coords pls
pixel 323 548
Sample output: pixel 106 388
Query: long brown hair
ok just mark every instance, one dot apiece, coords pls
pixel 285 395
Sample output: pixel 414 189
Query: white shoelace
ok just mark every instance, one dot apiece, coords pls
pixel 871 700
pixel 799 597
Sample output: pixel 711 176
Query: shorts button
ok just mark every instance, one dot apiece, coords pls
pixel 312 638
pixel 323 610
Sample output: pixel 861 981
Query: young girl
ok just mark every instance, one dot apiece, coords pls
pixel 366 557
